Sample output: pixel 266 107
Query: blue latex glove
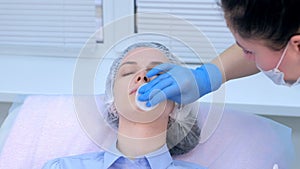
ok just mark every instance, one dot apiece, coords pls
pixel 180 84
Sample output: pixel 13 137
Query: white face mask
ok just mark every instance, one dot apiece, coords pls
pixel 276 75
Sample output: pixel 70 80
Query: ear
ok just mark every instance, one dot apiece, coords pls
pixel 295 43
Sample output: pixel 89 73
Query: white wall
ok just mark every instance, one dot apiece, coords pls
pixel 294 123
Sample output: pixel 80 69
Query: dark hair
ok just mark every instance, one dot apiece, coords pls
pixel 274 21
pixel 179 145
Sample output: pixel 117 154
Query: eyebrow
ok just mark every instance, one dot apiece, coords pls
pixel 135 63
pixel 155 63
pixel 243 48
pixel 128 63
pixel 239 45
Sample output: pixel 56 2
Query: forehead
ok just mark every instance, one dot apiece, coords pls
pixel 254 44
pixel 145 55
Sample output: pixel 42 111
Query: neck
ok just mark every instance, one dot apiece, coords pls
pixel 137 139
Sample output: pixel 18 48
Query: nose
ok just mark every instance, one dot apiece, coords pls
pixel 141 78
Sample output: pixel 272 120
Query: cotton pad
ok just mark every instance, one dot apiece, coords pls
pixel 142 105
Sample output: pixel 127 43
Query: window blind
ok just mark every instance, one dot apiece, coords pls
pixel 46 27
pixel 200 16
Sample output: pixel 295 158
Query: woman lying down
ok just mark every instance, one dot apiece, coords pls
pixel 147 139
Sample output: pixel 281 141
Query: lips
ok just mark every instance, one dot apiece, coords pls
pixel 133 90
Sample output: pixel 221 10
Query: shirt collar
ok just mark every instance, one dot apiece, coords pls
pixel 158 159
pixel 112 155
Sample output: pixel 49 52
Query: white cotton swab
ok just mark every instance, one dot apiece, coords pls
pixel 142 105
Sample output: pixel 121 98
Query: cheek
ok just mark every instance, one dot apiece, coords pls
pixel 267 62
pixel 121 95
pixel 164 108
pixel 250 57
pixel 118 87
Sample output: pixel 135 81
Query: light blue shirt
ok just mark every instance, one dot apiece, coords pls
pixel 160 159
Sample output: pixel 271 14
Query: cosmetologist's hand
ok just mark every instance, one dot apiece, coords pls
pixel 180 84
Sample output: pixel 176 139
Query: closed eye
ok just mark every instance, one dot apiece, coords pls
pixel 128 73
pixel 247 52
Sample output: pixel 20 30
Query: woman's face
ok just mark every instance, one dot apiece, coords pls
pixel 266 58
pixel 130 76
pixel 257 51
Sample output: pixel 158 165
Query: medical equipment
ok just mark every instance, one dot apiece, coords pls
pixel 142 105
pixel 276 75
